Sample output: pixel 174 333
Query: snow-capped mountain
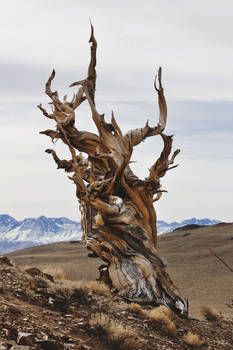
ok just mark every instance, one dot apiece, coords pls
pixel 164 227
pixel 31 231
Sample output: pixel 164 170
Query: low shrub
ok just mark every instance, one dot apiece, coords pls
pixel 115 333
pixel 71 290
pixel 134 308
pixel 192 340
pixel 161 318
pixel 30 294
pixel 99 288
pixel 41 282
pixel 57 273
pixel 210 314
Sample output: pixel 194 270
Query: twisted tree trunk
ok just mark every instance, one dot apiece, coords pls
pixel 118 215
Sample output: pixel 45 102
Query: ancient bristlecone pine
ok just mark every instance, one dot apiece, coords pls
pixel 117 208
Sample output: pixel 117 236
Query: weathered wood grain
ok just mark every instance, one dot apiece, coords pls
pixel 118 215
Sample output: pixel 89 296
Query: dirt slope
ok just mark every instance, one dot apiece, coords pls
pixel 196 271
pixel 36 313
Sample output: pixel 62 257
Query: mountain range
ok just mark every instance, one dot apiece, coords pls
pixel 36 231
pixel 42 230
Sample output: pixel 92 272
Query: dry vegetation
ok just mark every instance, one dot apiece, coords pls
pixel 57 272
pixel 161 318
pixel 30 293
pixel 68 272
pixel 134 308
pixel 70 312
pixel 62 281
pixel 41 282
pixel 210 314
pixel 117 335
pixel 164 311
pixel 99 288
pixel 192 340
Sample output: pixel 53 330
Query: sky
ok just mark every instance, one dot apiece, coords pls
pixel 191 40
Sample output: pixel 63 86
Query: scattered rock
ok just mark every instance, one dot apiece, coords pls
pixel 42 337
pixel 82 324
pixel 5 331
pixel 3 346
pixel 21 347
pixel 5 261
pixel 34 271
pixel 64 325
pixel 2 287
pixel 51 300
pixel 25 338
pixel 12 333
pixel 69 347
pixel 83 347
pixel 19 291
pixel 50 345
pixel 13 309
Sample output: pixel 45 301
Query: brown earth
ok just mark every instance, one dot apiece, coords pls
pixel 36 313
pixel 196 271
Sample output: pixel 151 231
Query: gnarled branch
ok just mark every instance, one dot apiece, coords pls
pixel 118 215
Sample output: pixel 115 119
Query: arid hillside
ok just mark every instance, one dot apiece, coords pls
pixel 38 312
pixel 196 271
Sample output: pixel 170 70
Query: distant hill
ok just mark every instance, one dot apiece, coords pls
pixel 31 232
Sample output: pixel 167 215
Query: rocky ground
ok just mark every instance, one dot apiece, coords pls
pixel 37 313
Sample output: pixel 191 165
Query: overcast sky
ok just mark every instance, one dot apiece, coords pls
pixel 191 40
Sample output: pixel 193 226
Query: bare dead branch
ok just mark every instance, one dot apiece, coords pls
pixel 45 113
pixel 51 133
pixel 136 136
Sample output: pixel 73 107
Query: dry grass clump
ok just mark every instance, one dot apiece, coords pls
pixel 115 334
pixel 134 308
pixel 65 287
pixel 80 270
pixel 100 323
pixel 84 270
pixel 57 273
pixel 30 294
pixel 193 340
pixel 61 289
pixel 165 311
pixel 71 290
pixel 65 280
pixel 210 314
pixel 71 284
pixel 41 282
pixel 99 288
pixel 161 317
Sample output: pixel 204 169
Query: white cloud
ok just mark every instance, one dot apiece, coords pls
pixel 193 44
